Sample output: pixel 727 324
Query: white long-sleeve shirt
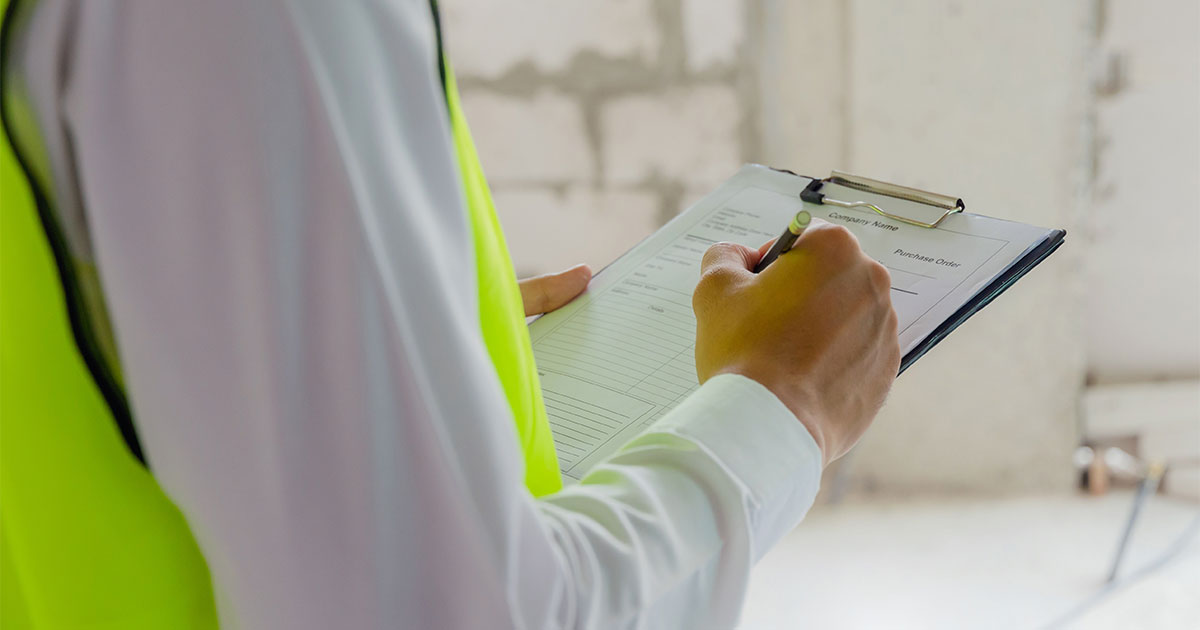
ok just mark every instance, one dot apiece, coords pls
pixel 274 206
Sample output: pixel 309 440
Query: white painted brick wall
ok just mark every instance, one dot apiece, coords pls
pixel 593 116
pixel 548 230
pixel 489 37
pixel 688 135
pixel 712 31
pixel 598 117
pixel 536 139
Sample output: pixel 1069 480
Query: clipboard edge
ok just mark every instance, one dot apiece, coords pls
pixel 999 285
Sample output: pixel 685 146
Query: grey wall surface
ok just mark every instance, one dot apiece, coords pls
pixel 606 117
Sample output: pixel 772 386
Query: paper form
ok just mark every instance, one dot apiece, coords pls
pixel 622 354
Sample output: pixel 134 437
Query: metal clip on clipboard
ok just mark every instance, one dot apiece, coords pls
pixel 812 194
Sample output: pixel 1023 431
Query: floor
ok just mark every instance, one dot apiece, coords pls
pixel 1033 562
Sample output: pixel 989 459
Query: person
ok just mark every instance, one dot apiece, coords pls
pixel 310 316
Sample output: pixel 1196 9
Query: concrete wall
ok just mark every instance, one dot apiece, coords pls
pixel 607 117
pixel 986 100
pixel 1143 264
pixel 1143 267
pixel 601 116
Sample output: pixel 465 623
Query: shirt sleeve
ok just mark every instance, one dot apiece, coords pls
pixel 272 197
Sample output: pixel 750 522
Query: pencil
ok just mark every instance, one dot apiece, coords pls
pixel 785 240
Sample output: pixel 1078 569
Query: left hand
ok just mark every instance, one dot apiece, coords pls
pixel 542 294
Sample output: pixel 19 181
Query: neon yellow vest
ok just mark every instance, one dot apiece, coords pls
pixel 502 315
pixel 87 537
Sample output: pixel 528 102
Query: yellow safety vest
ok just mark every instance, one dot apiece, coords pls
pixel 87 537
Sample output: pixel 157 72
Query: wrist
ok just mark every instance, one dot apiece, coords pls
pixel 798 399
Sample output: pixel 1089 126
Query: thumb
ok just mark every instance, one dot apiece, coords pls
pixel 542 294
pixel 729 258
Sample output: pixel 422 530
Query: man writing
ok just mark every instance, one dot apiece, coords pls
pixel 297 283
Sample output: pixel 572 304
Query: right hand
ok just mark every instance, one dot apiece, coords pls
pixel 816 327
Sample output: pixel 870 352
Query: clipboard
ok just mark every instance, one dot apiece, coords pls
pixel 943 206
pixel 626 346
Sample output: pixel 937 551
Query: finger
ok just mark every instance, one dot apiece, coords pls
pixel 832 244
pixel 543 294
pixel 819 230
pixel 764 248
pixel 729 258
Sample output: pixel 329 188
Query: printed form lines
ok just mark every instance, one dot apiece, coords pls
pixel 579 427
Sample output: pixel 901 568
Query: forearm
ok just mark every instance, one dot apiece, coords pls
pixel 664 532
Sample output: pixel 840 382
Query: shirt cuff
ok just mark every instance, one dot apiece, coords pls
pixel 759 442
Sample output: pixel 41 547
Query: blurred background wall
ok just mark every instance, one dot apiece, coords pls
pixel 609 116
